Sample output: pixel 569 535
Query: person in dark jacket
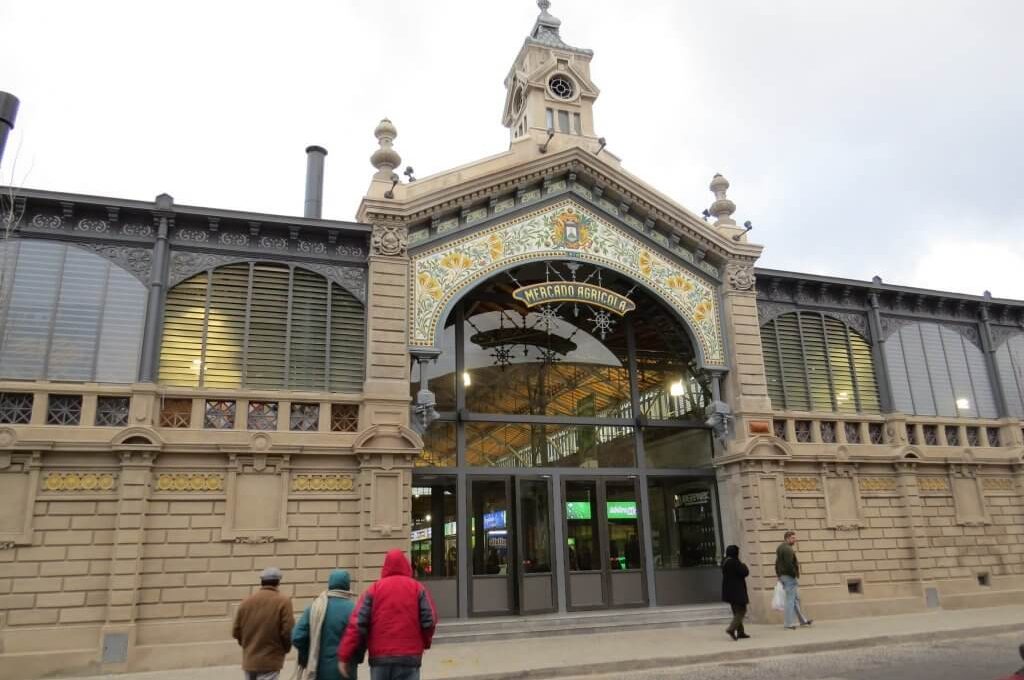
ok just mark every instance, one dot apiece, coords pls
pixel 394 620
pixel 319 631
pixel 734 590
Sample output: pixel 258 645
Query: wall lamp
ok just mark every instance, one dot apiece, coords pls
pixel 747 226
pixel 603 143
pixel 544 146
pixel 390 193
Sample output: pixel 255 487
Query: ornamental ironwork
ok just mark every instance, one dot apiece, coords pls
pixel 852 431
pixel 16 408
pixel 220 414
pixel 112 411
pixel 262 415
pixel 304 417
pixel 176 413
pixel 344 417
pixel 64 409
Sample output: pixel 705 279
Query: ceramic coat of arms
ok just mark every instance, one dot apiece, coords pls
pixel 563 231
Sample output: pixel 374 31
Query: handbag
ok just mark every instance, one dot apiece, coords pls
pixel 779 597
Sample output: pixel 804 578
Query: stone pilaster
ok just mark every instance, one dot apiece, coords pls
pixel 746 388
pixel 907 481
pixel 386 389
pixel 126 558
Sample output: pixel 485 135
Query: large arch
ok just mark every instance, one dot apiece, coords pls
pixel 564 230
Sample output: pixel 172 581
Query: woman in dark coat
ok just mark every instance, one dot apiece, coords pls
pixel 734 590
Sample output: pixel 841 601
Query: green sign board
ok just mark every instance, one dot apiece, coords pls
pixel 621 509
pixel 577 510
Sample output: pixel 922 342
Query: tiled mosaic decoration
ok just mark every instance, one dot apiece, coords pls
pixel 563 230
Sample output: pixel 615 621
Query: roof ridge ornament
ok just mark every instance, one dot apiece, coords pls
pixel 385 159
pixel 722 209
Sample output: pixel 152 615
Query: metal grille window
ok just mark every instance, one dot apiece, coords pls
pixel 305 418
pixel 973 436
pixel 803 431
pixel 112 411
pixel 263 325
pixel 220 414
pixel 814 362
pixel 852 431
pixel 176 413
pixel 262 415
pixel 68 314
pixel 992 434
pixel 779 428
pixel 828 432
pixel 875 433
pixel 936 371
pixel 952 435
pixel 64 409
pixel 1010 366
pixel 344 417
pixel 15 408
pixel 931 435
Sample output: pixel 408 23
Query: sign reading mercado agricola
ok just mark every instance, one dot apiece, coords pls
pixel 571 291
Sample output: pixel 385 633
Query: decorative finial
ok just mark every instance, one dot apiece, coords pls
pixel 545 19
pixel 385 159
pixel 544 5
pixel 722 209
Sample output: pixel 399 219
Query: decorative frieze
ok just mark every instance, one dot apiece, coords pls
pixel 801 484
pixel 137 261
pixel 388 239
pixel 322 483
pixel 82 482
pixel 934 484
pixel 190 482
pixel 883 484
pixel 997 483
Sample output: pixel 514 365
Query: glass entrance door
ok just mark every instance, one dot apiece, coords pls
pixel 511 546
pixel 604 558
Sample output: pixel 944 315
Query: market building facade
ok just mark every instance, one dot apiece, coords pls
pixel 555 387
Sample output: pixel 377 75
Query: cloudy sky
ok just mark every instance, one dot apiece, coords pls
pixel 861 137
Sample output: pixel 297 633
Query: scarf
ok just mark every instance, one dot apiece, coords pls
pixel 317 613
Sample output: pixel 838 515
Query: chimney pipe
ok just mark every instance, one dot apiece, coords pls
pixel 314 181
pixel 8 114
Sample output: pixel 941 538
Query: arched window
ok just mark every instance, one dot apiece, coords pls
pixel 263 325
pixel 814 362
pixel 67 314
pixel 935 371
pixel 1010 364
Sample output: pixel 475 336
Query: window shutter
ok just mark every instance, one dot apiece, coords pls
pixel 772 366
pixel 225 326
pixel 815 358
pixel 793 368
pixel 181 349
pixel 307 350
pixel 844 388
pixel 83 281
pixel 124 316
pixel 348 341
pixel 1010 365
pixel 864 371
pixel 268 326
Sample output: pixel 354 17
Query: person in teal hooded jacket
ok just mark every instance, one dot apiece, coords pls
pixel 331 609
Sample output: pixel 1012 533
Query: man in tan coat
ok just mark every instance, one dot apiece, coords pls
pixel 263 627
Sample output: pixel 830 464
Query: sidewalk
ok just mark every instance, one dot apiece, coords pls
pixel 580 655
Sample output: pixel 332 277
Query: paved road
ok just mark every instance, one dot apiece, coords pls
pixel 985 658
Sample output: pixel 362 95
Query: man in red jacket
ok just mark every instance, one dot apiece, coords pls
pixel 395 620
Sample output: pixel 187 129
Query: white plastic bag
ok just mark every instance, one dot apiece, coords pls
pixel 779 598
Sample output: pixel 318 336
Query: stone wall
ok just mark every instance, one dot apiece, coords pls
pixel 880 538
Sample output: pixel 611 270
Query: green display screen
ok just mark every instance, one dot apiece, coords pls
pixel 577 510
pixel 621 509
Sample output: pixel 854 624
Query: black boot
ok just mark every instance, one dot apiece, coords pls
pixel 741 634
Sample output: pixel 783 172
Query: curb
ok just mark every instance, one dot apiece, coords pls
pixel 632 665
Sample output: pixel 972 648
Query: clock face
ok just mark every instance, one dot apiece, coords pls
pixel 561 86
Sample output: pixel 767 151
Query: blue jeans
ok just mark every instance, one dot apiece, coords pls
pixel 793 614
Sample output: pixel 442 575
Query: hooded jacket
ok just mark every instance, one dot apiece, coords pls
pixel 339 609
pixel 394 619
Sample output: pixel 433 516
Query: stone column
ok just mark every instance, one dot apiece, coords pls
pixel 126 559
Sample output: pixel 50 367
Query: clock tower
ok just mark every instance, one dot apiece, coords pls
pixel 549 91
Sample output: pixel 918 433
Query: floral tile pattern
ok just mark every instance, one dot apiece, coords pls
pixel 563 230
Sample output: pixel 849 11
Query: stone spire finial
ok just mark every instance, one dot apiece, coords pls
pixel 722 208
pixel 385 159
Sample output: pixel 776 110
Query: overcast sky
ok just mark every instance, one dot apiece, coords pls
pixel 861 137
